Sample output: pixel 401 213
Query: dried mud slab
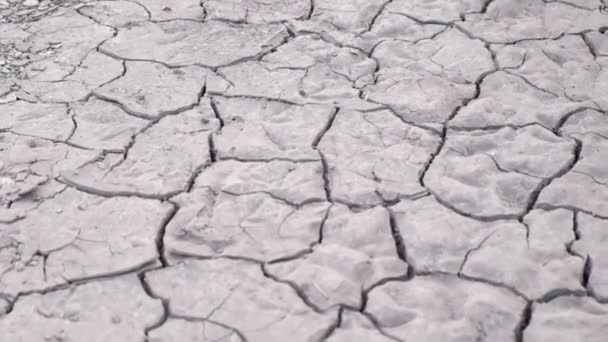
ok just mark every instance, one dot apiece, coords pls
pixel 256 11
pixel 257 210
pixel 538 264
pixel 508 99
pixel 355 326
pixel 357 251
pixel 436 238
pixel 592 246
pixel 569 318
pixel 254 226
pixel 116 309
pixel 496 173
pixel 262 130
pixel 185 42
pixel 243 298
pixel 564 68
pixel 62 64
pixel 445 308
pixel 506 22
pixel 439 240
pixel 115 13
pixel 374 157
pixel 164 10
pixel 585 185
pixel 50 121
pixel 305 70
pixel 151 90
pixel 28 167
pixel 161 161
pixel 412 74
pixel 103 125
pixel 435 10
pixel 176 330
pixel 78 236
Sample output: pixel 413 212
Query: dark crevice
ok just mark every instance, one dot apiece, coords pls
pixel 285 201
pixel 390 109
pixel 255 97
pixel 549 206
pixel 526 317
pixel 109 194
pixel 484 7
pixel 370 26
pixel 443 133
pixel 493 284
pixel 216 112
pixel 160 236
pixel 322 225
pixel 424 22
pixel 212 149
pixel 494 128
pixel 311 10
pixel 326 128
pixel 326 180
pixel 559 292
pixel 586 272
pixel 560 123
pixel 268 160
pixel 330 331
pixel 165 304
pixel 185 255
pixel 400 247
pixel 589 46
pixel 486 218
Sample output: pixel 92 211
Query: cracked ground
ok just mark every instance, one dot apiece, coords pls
pixel 304 170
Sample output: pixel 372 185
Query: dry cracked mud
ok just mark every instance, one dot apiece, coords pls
pixel 303 170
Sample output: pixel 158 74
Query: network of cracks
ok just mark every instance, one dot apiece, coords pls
pixel 303 170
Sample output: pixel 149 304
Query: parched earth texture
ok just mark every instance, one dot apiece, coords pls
pixel 304 170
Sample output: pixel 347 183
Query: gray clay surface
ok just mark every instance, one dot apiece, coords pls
pixel 303 170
